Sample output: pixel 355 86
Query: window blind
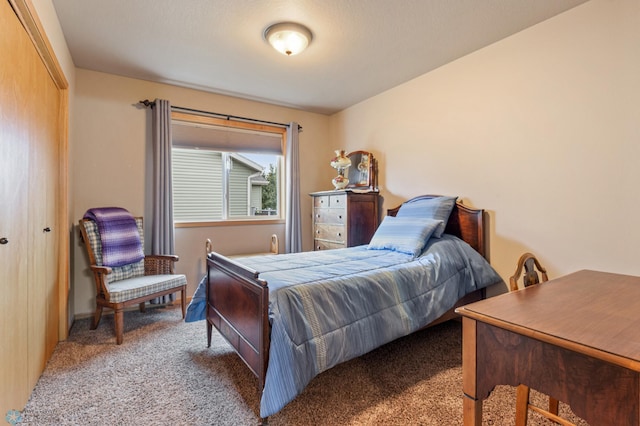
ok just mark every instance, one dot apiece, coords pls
pixel 226 139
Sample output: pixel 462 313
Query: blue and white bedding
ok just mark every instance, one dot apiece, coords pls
pixel 330 306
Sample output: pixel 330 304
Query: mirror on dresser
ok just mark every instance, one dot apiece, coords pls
pixel 363 172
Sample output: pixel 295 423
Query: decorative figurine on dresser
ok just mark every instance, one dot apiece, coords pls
pixel 349 215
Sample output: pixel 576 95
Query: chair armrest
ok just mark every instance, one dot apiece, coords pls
pixel 156 264
pixel 102 270
pixel 171 257
pixel 100 277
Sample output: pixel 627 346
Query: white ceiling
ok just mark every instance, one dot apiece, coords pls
pixel 360 47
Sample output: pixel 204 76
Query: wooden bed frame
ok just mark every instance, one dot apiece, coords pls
pixel 238 300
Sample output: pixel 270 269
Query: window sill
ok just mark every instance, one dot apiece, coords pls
pixel 235 222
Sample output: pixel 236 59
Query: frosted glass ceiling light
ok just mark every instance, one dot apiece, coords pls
pixel 288 38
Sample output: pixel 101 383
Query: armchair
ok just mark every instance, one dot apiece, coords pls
pixel 121 286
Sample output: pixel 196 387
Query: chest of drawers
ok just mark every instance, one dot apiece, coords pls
pixel 344 218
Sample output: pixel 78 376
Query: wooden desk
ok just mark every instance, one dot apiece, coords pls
pixel 576 338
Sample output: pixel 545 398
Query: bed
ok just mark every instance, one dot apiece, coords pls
pixel 290 317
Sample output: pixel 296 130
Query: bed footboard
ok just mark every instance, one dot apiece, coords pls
pixel 237 306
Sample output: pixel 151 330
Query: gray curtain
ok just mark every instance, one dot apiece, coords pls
pixel 162 236
pixel 293 227
pixel 162 241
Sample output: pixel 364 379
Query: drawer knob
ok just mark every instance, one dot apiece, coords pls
pixel 317 231
pixel 339 234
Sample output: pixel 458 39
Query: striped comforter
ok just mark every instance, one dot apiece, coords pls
pixel 330 306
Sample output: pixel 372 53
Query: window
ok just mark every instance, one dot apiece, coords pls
pixel 223 172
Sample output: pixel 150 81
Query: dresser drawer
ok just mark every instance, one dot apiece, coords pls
pixel 333 201
pixel 327 245
pixel 337 201
pixel 330 232
pixel 335 216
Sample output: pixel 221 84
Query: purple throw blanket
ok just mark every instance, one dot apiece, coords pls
pixel 119 235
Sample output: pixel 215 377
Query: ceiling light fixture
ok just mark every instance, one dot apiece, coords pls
pixel 288 38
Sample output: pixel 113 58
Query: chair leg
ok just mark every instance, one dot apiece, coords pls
pixel 183 301
pixel 97 315
pixel 553 406
pixel 522 405
pixel 119 325
pixel 142 307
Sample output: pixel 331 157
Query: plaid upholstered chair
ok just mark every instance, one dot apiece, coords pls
pixel 118 287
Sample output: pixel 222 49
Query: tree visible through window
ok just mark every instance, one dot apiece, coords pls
pixel 270 191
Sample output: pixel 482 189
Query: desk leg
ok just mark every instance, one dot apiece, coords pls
pixel 471 405
pixel 472 411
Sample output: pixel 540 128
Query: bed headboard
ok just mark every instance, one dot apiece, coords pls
pixel 464 222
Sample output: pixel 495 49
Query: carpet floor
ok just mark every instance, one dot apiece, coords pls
pixel 163 374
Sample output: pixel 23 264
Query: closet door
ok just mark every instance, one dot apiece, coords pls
pixel 29 195
pixel 14 202
pixel 43 197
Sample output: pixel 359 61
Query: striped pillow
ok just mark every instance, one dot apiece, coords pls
pixel 403 234
pixel 438 208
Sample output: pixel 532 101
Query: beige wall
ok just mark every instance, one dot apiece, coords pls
pixel 110 140
pixel 541 129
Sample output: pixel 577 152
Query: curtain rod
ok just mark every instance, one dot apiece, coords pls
pixel 150 104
